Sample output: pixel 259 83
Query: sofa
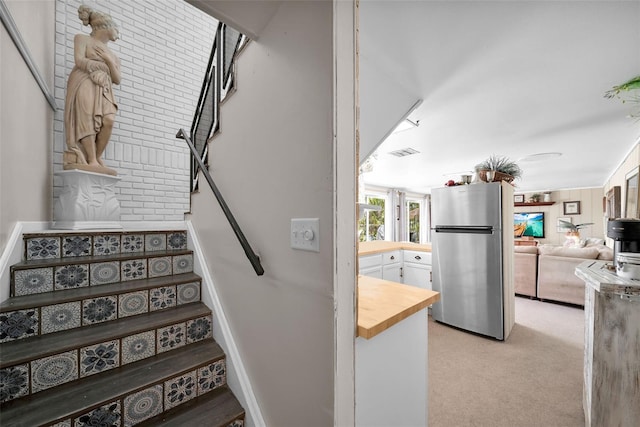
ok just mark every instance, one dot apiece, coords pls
pixel 547 272
pixel 525 270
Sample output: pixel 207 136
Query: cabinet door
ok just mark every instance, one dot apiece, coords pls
pixel 375 271
pixel 417 275
pixel 392 272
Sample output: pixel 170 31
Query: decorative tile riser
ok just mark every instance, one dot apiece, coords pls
pixel 220 409
pixel 34 321
pixel 133 408
pixel 62 245
pixel 51 371
pixel 96 272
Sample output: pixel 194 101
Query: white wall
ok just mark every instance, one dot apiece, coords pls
pixel 164 48
pixel 26 119
pixel 385 100
pixel 273 162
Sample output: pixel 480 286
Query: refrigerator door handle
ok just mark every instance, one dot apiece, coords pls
pixel 464 229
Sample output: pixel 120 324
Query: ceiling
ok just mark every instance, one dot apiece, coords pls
pixel 509 78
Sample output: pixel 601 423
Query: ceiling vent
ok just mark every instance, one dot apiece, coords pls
pixel 404 152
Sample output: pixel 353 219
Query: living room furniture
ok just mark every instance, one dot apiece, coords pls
pixel 525 270
pixel 556 271
pixel 611 394
pixel 547 272
pixel 524 242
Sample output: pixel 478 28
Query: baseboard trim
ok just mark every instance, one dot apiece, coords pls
pixel 11 254
pixel 13 251
pixel 246 396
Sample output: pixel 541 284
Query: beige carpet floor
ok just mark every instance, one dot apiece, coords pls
pixel 532 379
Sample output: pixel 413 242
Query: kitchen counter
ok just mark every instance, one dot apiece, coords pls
pixel 601 279
pixel 611 396
pixel 382 304
pixel 378 246
pixel 392 337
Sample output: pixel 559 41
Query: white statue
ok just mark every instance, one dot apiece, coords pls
pixel 90 105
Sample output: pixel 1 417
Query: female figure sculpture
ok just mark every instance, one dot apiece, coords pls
pixel 90 106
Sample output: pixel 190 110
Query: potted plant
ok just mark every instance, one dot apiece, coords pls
pixel 535 197
pixel 573 230
pixel 628 86
pixel 502 167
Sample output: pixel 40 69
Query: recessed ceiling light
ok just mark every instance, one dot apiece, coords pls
pixel 539 157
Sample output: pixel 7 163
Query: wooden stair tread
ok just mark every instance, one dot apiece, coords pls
pixel 27 349
pixel 58 297
pixel 217 408
pixel 74 398
pixel 53 262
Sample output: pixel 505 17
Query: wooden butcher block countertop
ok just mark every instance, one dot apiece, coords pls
pixel 377 246
pixel 382 304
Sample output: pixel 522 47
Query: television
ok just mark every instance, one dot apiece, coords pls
pixel 528 224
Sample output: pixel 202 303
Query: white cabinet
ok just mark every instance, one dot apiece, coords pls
pixel 416 270
pixel 392 266
pixel 417 275
pixel 386 265
pixel 372 272
pixel 402 266
pixel 371 265
pixel 402 351
pixel 392 272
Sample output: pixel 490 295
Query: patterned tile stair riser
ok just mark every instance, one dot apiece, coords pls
pixel 61 368
pixel 98 308
pixel 128 407
pixel 28 279
pixel 115 304
pixel 51 318
pixel 152 401
pixel 51 245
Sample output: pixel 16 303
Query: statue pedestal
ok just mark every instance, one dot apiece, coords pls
pixel 87 201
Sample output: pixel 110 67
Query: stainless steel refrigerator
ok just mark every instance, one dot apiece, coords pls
pixel 468 257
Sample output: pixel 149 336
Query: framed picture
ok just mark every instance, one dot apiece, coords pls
pixel 632 208
pixel 559 227
pixel 613 209
pixel 571 208
pixel 518 198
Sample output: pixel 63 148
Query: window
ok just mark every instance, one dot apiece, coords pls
pixel 371 225
pixel 414 210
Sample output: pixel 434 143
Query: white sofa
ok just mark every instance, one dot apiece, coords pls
pixel 525 270
pixel 547 272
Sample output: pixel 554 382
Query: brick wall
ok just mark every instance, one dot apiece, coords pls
pixel 164 48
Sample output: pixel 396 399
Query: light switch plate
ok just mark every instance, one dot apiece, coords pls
pixel 305 234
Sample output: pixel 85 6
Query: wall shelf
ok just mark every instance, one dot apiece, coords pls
pixel 534 204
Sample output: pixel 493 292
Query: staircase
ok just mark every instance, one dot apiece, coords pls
pixel 108 329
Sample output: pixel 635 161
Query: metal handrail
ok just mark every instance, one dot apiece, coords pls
pixel 210 81
pixel 217 84
pixel 253 258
